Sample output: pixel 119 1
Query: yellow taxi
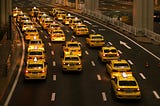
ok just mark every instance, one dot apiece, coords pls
pixel 21 14
pixel 16 11
pixel 81 29
pixel 54 11
pixel 31 33
pixel 38 53
pixel 23 19
pixel 27 24
pixel 72 46
pixel 35 69
pixel 115 67
pixel 57 35
pixel 53 26
pixel 46 22
pixel 74 21
pixel 107 53
pixel 67 19
pixel 95 40
pixel 36 44
pixel 34 11
pixel 60 15
pixel 125 86
pixel 71 62
pixel 41 18
pixel 40 14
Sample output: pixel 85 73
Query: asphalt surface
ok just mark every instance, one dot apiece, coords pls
pixel 86 89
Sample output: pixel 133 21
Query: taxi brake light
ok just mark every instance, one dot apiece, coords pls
pixel 26 71
pixel 118 89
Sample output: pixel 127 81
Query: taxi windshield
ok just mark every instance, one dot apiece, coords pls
pixel 81 27
pixel 31 31
pixel 60 32
pixel 71 58
pixel 121 65
pixel 35 66
pixel 127 83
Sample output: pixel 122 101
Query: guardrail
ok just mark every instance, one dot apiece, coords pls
pixel 122 26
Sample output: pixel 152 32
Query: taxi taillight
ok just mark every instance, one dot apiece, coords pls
pixel 26 71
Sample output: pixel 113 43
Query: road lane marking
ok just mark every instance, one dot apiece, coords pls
pixel 52 52
pixel 125 44
pixel 53 97
pixel 45 36
pixel 54 77
pixel 41 30
pixel 109 43
pixel 156 94
pixel 93 64
pixel 130 62
pixel 87 22
pixel 93 30
pixel 101 29
pixel 119 51
pixel 86 52
pixel 104 96
pixel 68 31
pixel 99 77
pixel 73 37
pixel 54 63
pixel 49 44
pixel 19 71
pixel 141 74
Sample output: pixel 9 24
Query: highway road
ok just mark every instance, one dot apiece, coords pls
pixel 92 87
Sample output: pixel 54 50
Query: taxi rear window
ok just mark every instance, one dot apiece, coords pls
pixel 113 51
pixel 121 65
pixel 71 58
pixel 35 53
pixel 72 45
pixel 35 66
pixel 35 42
pixel 127 83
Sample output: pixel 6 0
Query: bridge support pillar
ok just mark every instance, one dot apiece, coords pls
pixel 92 4
pixel 143 14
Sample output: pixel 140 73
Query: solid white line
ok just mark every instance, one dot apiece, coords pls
pixel 86 52
pixel 156 94
pixel 141 74
pixel 119 51
pixel 130 62
pixel 46 37
pixel 49 44
pixel 99 77
pixel 19 72
pixel 54 63
pixel 54 77
pixel 104 96
pixel 52 52
pixel 158 58
pixel 53 97
pixel 109 43
pixel 93 64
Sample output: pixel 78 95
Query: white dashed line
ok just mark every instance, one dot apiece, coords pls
pixel 98 77
pixel 41 30
pixel 93 64
pixel 86 52
pixel 93 31
pixel 68 31
pixel 119 51
pixel 141 74
pixel 104 96
pixel 52 52
pixel 73 37
pixel 46 37
pixel 130 62
pixel 53 97
pixel 87 22
pixel 49 44
pixel 54 77
pixel 54 63
pixel 156 94
pixel 109 43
